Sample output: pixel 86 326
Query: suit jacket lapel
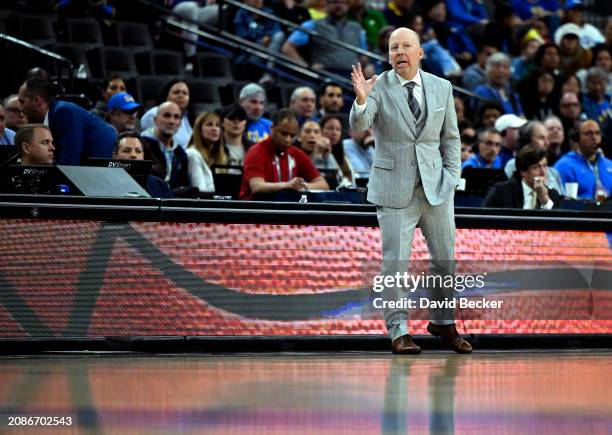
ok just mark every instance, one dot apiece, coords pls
pixel 428 101
pixel 517 194
pixel 400 98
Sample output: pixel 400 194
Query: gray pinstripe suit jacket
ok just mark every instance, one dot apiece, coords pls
pixel 400 150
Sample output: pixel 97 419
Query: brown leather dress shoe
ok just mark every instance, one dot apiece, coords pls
pixel 450 336
pixel 405 346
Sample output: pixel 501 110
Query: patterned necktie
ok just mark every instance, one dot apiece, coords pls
pixel 412 102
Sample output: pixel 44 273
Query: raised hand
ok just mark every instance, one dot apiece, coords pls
pixel 362 86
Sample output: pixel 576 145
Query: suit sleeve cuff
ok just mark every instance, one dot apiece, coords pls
pixel 360 108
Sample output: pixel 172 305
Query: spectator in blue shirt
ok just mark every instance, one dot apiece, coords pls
pixel 498 84
pixel 487 156
pixel 596 101
pixel 587 166
pixel 475 75
pixel 252 99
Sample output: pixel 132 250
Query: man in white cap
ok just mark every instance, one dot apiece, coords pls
pixel 508 126
pixel 252 99
pixel 589 35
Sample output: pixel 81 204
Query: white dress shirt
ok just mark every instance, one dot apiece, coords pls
pixel 528 198
pixel 417 91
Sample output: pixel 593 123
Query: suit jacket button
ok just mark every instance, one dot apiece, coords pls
pixel 414 163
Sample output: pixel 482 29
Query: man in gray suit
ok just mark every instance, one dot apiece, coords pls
pixel 415 171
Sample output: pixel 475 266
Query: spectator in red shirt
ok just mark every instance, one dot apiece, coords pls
pixel 274 164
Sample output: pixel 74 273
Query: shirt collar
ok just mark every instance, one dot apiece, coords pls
pixel 416 79
pixel 46 121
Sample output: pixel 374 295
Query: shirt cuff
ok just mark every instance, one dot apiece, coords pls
pixel 360 108
pixel 548 206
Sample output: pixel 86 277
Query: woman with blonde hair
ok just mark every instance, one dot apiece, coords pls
pixel 205 150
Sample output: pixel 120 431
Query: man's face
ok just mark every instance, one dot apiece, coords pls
pixel 438 13
pixel 337 8
pixel 179 94
pixel 539 136
pixel 489 147
pixel 331 100
pixel 33 107
pixel 489 116
pixel 596 88
pixel 466 151
pixel 405 53
pixel 114 87
pixel 556 135
pixel 129 148
pixel 510 137
pixel 569 44
pixel 123 120
pixel 499 74
pixel 15 117
pixel 283 134
pixel 310 135
pixel 254 106
pixel 168 119
pixel 304 104
pixel 234 126
pixel 539 169
pixel 569 106
pixel 604 60
pixel 40 151
pixel 590 138
pixel 484 54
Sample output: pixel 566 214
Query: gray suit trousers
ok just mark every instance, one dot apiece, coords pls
pixel 397 227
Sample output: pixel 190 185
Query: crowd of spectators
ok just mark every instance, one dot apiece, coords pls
pixel 538 82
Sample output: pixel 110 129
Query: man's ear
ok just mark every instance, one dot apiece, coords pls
pixel 25 149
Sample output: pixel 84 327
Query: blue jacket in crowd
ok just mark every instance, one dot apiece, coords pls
pixel 78 134
pixel 574 168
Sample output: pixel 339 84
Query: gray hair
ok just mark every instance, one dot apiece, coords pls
pixel 481 135
pixel 495 59
pixel 251 89
pixel 552 118
pixel 9 98
pixel 298 91
pixel 597 73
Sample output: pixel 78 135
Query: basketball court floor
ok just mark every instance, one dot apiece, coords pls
pixel 489 392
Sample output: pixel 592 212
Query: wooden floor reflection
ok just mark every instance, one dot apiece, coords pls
pixel 439 393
